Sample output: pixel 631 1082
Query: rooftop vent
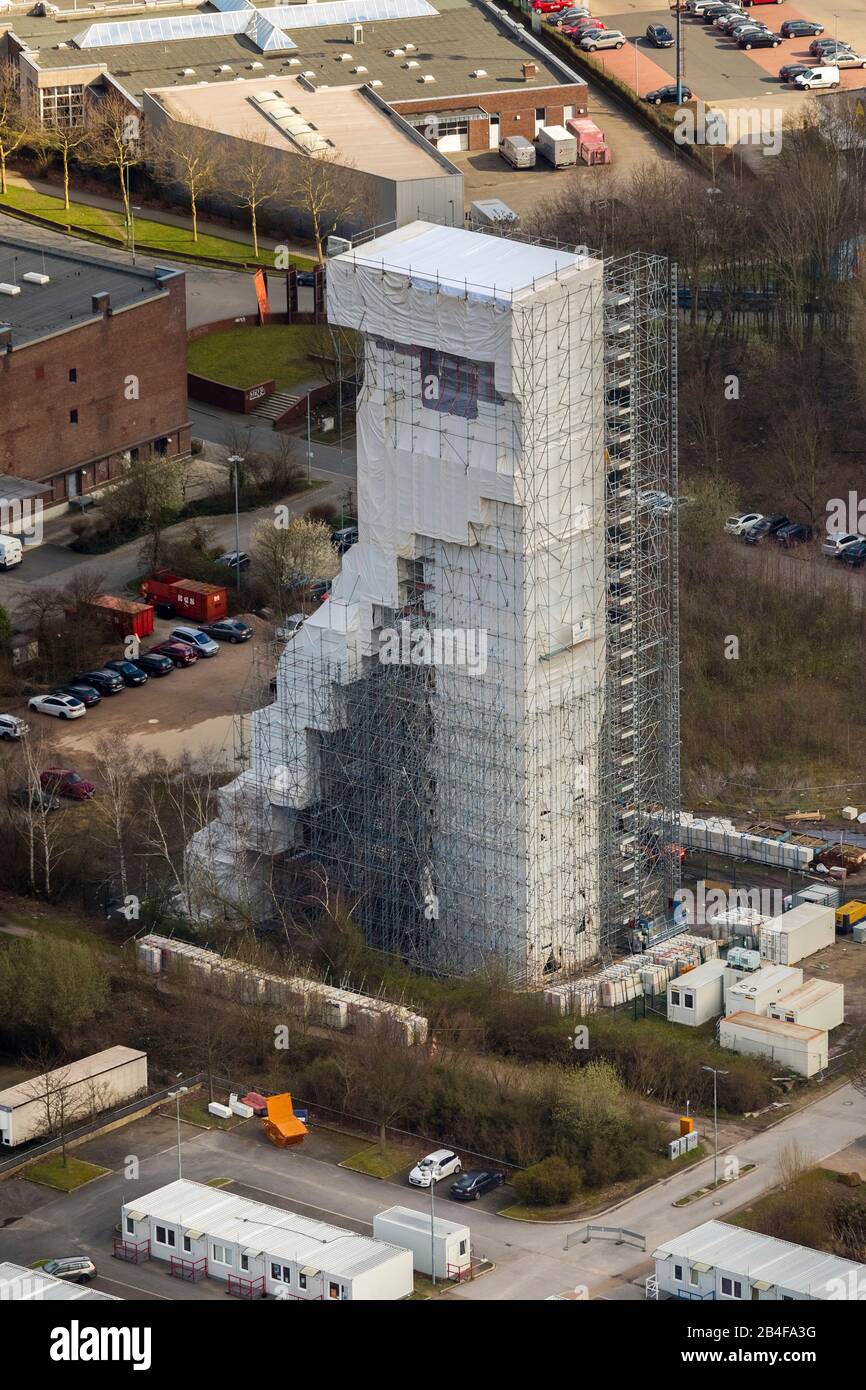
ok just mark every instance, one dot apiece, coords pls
pixel 396 53
pixel 33 277
pixel 10 290
pixel 479 72
pixel 359 69
pixel 294 62
pixel 410 48
pixel 529 71
pixel 309 73
pixel 224 67
pixel 377 82
pixel 188 72
pixel 411 63
pixel 255 64
pixel 428 77
pixel 346 58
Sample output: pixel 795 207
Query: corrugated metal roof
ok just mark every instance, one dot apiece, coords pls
pixel 779 1263
pixel 21 1285
pixel 267 1230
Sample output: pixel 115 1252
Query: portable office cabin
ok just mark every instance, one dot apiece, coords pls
pixel 801 1050
pixel 807 928
pixel 83 1089
pixel 721 1262
pixel 755 992
pixel 259 1249
pixel 698 995
pixel 450 1240
pixel 816 1004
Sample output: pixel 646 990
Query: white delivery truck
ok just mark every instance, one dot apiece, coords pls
pixel 11 552
pixel 557 146
pixel 517 151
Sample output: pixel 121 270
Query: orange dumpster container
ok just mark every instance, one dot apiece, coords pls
pixel 282 1125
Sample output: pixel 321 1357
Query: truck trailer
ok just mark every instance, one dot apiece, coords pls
pixel 77 1091
pixel 557 146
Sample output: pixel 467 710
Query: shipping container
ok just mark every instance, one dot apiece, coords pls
pixel 798 933
pixel 83 1089
pixel 815 1004
pixel 187 597
pixel 450 1240
pixel 126 617
pixel 801 1050
pixel 557 146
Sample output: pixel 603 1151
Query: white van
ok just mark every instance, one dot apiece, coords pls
pixel 818 77
pixel 517 151
pixel 11 552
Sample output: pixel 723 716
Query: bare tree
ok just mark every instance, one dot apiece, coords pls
pixel 326 189
pixel 43 826
pixel 15 126
pixel 117 805
pixel 115 143
pixel 186 155
pixel 255 177
pixel 62 1102
pixel 66 140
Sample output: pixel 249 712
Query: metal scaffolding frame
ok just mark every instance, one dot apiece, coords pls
pixel 504 820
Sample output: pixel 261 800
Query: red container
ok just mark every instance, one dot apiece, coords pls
pixel 125 615
pixel 188 597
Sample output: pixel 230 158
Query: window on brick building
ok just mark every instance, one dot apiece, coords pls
pixel 73 374
pixel 73 417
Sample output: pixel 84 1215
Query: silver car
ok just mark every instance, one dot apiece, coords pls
pixel 842 58
pixel 195 638
pixel 603 38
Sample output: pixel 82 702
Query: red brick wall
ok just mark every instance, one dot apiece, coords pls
pixel 516 110
pixel 37 439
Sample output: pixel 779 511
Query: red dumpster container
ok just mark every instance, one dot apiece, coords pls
pixel 188 597
pixel 125 615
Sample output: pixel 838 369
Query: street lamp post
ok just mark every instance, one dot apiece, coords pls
pixel 717 1072
pixel 679 57
pixel 175 1096
pixel 235 460
pixel 432 1229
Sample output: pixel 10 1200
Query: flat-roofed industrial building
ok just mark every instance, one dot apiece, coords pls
pixel 73 1093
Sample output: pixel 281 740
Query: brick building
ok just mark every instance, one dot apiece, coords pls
pixel 92 368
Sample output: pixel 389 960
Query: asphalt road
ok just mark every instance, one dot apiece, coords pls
pixel 713 64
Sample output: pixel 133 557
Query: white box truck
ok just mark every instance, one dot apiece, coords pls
pixel 11 552
pixel 557 146
pixel 410 1229
pixel 517 151
pixel 799 933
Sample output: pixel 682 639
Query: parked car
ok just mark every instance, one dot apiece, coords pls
pixel 714 12
pixel 819 46
pixel 36 798
pixel 759 40
pixel 739 525
pixel 105 681
pixel 794 534
pixel 199 641
pixel 549 6
pixel 228 630
pixel 82 690
pixel 742 30
pixel 11 727
pixel 609 38
pixel 234 560
pixel 289 626
pixel 63 781
pixel 659 35
pixel 344 538
pixel 319 589
pixel 767 526
pixel 579 28
pixel 128 671
pixel 667 93
pixel 843 58
pixel 563 16
pixel 76 1269
pixel 726 23
pixel 854 555
pixel 812 78
pixel 800 29
pixel 792 70
pixel 178 652
pixel 305 279
pixel 472 1185
pixel 436 1166
pixel 837 541
pixel 154 664
pixel 60 706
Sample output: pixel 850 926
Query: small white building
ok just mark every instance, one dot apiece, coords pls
pixel 449 1240
pixel 816 1004
pixel 71 1095
pixel 698 995
pixel 260 1250
pixel 807 928
pixel 718 1261
pixel 801 1050
pixel 18 1284
pixel 755 992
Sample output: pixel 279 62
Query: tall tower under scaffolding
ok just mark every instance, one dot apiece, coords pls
pixel 476 738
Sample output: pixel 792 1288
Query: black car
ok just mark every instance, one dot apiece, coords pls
pixel 760 40
pixel 306 279
pixel 153 664
pixel 228 630
pixel 105 681
pixel 472 1185
pixel 82 690
pixel 128 672
pixel 854 555
pixel 767 526
pixel 800 29
pixel 792 70
pixel 793 534
pixel 659 36
pixel 665 94
pixel 36 798
pixel 344 538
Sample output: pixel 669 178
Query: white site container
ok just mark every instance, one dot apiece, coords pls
pixel 801 1050
pixel 807 928
pixel 557 146
pixel 758 989
pixel 410 1229
pixel 816 1004
pixel 83 1088
pixel 698 995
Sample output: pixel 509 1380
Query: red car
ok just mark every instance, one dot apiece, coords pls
pixel 62 781
pixel 550 6
pixel 582 26
pixel 178 652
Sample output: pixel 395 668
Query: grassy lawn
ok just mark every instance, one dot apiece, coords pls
pixel 195 1110
pixel 50 1172
pixel 244 357
pixel 375 1163
pixel 149 236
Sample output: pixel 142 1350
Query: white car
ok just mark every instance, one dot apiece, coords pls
pixel 660 503
pixel 837 541
pixel 441 1164
pixel 195 638
pixel 290 626
pixel 739 525
pixel 11 727
pixel 603 38
pixel 61 706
